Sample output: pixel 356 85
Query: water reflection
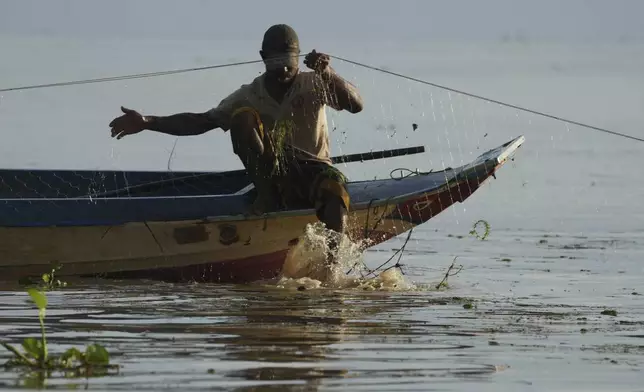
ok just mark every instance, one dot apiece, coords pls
pixel 266 338
pixel 226 334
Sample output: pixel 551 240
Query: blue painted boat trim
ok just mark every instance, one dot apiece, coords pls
pixel 35 198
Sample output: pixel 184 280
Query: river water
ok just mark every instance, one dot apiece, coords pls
pixel 526 312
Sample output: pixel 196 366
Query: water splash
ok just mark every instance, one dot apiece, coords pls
pixel 306 268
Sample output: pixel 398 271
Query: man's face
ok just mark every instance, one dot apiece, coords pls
pixel 282 67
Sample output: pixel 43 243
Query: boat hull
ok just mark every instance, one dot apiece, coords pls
pixel 227 248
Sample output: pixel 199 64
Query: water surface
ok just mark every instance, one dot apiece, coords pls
pixel 525 313
pixel 535 323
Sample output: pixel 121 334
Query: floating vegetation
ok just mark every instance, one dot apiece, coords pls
pixel 475 229
pixel 35 355
pixel 50 281
pixel 610 312
pixel 474 232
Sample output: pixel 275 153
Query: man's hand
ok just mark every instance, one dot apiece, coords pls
pixel 128 124
pixel 341 94
pixel 319 62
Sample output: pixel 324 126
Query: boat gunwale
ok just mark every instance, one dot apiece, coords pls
pixel 457 174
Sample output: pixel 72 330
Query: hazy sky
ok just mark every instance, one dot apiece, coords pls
pixel 333 19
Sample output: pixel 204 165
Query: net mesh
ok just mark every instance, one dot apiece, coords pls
pixel 454 129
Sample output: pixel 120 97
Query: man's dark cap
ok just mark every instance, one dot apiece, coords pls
pixel 281 38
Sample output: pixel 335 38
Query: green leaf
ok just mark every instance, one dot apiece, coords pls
pixel 72 353
pixel 33 347
pixel 95 354
pixel 20 358
pixel 69 356
pixel 11 349
pixel 46 278
pixel 39 298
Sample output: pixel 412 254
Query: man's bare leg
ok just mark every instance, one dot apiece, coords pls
pixel 248 145
pixel 334 216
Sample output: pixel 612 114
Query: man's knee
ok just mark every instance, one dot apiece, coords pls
pixel 245 132
pixel 333 190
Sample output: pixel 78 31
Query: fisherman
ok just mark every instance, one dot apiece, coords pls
pixel 278 128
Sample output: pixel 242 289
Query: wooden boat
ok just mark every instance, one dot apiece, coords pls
pixel 192 226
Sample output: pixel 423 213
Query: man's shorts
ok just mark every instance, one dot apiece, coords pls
pixel 311 183
pixel 306 183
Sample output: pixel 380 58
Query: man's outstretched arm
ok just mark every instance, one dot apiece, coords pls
pixel 181 124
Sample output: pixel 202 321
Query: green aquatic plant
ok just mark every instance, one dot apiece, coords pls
pixel 49 279
pixel 279 137
pixel 475 232
pixel 35 356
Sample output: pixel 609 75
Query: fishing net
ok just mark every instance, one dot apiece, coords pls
pixel 398 113
pixel 455 128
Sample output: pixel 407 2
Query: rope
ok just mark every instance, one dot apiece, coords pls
pixel 378 69
pixel 410 173
pixel 132 76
